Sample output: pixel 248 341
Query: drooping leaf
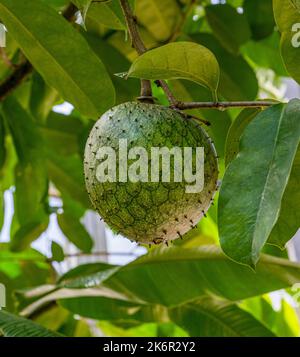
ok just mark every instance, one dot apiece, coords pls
pixel 289 218
pixel 74 230
pixel 42 98
pixel 287 16
pixel 185 60
pixel 66 174
pixel 15 326
pixel 255 182
pixel 235 132
pixel 115 62
pixel 260 17
pixel 30 175
pixel 192 273
pixel 209 317
pixel 230 27
pixel 60 55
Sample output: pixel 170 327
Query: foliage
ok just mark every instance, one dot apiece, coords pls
pixel 81 52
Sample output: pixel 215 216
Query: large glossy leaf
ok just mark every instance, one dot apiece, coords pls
pixel 235 132
pixel 15 326
pixel 159 17
pixel 230 27
pixel 184 60
pixel 287 16
pixel 209 317
pixel 60 55
pixel 289 218
pixel 254 183
pixel 233 68
pixel 177 275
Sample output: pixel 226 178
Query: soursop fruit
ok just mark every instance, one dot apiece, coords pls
pixel 148 212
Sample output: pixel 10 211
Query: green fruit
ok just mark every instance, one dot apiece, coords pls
pixel 149 212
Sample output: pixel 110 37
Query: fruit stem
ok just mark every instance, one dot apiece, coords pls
pixel 138 45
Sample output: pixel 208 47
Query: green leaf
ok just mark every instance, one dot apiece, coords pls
pixel 265 54
pixel 106 308
pixel 15 326
pixel 115 62
pixel 230 27
pixel 255 182
pixel 283 322
pixel 28 268
pixel 190 273
pixel 58 254
pixel 287 16
pixel 289 218
pixel 235 132
pixel 70 224
pixel 2 143
pixel 30 204
pixel 184 60
pixel 84 270
pixel 61 133
pixel 160 18
pixel 210 317
pixel 60 54
pixel 30 175
pixel 66 174
pixel 233 68
pixel 42 98
pixel 260 17
pixel 107 13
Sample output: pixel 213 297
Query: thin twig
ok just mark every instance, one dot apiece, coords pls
pixel 24 69
pixel 6 60
pixel 171 98
pixel 224 105
pixel 138 45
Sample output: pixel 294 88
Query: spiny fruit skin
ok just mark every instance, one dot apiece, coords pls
pixel 146 212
